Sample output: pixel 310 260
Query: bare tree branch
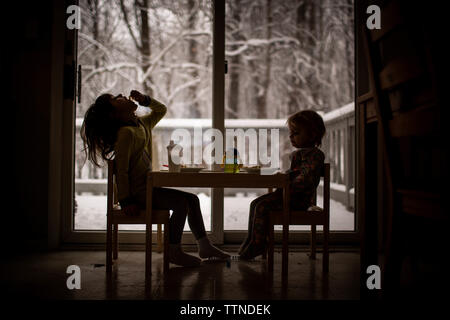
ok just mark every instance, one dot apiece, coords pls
pixel 127 22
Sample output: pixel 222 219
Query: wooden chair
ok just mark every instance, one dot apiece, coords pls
pixel 116 216
pixel 313 216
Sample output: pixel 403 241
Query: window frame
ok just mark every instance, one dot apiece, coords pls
pixel 218 234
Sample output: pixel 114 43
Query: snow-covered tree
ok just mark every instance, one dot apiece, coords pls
pixel 283 55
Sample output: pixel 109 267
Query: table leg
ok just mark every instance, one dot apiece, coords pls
pixel 148 230
pixel 285 253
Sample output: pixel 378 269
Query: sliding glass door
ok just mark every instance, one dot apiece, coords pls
pixel 241 66
pixel 284 57
pixel 160 48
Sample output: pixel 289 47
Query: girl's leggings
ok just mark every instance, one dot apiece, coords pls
pixel 182 204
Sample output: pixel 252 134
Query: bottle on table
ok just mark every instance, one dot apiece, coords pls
pixel 231 156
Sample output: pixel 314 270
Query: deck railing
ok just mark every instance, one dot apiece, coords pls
pixel 338 146
pixel 339 149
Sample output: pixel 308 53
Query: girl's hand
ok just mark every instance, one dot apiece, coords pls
pixel 131 210
pixel 138 97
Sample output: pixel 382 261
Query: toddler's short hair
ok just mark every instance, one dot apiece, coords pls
pixel 312 122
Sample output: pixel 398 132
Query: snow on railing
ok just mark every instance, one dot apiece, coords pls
pixel 343 112
pixel 339 148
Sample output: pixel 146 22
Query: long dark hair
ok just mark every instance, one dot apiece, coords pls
pixel 99 130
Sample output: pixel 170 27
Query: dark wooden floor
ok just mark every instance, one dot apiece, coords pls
pixel 44 276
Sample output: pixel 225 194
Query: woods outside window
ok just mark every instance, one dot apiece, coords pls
pixel 282 57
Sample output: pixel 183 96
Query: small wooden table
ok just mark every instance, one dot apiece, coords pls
pixel 220 180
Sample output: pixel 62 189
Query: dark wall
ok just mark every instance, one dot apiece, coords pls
pixel 26 68
pixel 404 228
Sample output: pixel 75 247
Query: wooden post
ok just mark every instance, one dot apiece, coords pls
pixel 218 101
pixel 115 241
pixel 109 219
pixel 334 148
pixel 313 242
pixel 148 229
pixel 391 270
pixel 271 245
pixel 346 164
pixel 285 253
pixel 338 154
pixel 159 239
pixel 166 247
pixel 326 225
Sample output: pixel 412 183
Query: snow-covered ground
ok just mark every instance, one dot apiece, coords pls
pixel 91 214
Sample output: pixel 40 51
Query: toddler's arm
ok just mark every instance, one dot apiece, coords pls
pixel 306 175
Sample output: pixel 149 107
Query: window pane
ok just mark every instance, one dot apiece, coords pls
pixel 284 57
pixel 161 48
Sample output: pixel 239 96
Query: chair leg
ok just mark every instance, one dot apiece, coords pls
pixel 313 242
pixel 109 248
pixel 115 242
pixel 326 235
pixel 166 248
pixel 148 252
pixel 159 239
pixel 270 247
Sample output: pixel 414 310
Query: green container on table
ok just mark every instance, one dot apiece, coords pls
pixel 231 161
